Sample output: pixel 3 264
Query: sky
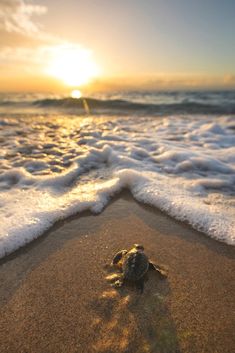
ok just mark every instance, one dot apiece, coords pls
pixel 50 44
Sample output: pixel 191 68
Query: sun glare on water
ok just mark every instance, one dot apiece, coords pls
pixel 73 65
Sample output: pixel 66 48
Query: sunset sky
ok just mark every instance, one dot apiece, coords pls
pixel 48 45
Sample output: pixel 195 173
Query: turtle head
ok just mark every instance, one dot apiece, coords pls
pixel 139 247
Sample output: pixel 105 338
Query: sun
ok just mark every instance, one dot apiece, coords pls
pixel 72 64
pixel 76 94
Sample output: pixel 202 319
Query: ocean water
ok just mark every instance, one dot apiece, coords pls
pixel 61 156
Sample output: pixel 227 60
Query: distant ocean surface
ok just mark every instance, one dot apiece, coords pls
pixel 61 156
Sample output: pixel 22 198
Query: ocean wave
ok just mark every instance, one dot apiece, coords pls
pixel 119 106
pixel 95 105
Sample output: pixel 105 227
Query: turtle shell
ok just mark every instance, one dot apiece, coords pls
pixel 135 265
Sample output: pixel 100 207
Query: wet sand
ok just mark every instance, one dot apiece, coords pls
pixel 55 294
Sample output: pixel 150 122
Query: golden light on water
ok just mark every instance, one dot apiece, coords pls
pixel 76 94
pixel 73 65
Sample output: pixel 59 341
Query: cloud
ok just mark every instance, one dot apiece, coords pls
pixel 16 17
pixel 229 79
pixel 170 81
pixel 22 39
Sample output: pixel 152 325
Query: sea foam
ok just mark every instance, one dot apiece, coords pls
pixel 56 166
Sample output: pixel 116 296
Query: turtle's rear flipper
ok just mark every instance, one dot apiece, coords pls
pixel 140 285
pixel 119 283
pixel 162 272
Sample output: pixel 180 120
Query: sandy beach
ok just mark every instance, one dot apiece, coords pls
pixel 117 128
pixel 56 296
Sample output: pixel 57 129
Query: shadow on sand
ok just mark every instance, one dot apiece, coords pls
pixel 127 321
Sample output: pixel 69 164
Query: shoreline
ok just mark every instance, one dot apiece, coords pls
pixel 123 194
pixel 55 296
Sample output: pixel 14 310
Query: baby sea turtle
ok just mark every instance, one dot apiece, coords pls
pixel 134 264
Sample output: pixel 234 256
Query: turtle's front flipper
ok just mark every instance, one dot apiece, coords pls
pixel 153 266
pixel 118 256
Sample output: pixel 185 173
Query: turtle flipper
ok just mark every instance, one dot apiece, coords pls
pixel 118 256
pixel 161 271
pixel 119 282
pixel 140 285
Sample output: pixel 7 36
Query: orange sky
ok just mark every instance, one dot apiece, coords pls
pixel 127 44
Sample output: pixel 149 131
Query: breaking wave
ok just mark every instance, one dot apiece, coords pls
pixel 138 103
pixel 97 105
